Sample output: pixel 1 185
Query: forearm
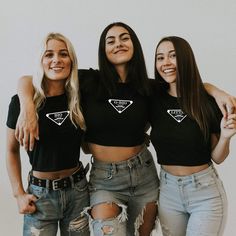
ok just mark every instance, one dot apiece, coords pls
pixel 212 90
pixel 221 150
pixel 14 173
pixel 13 163
pixel 25 91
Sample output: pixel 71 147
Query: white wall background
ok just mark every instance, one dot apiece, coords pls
pixel 208 25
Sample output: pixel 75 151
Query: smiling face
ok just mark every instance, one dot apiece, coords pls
pixel 166 61
pixel 56 61
pixel 118 46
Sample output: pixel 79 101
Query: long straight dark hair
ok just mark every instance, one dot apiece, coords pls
pixel 136 74
pixel 191 94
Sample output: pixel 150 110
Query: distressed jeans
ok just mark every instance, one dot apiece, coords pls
pixel 57 208
pixel 193 205
pixel 130 184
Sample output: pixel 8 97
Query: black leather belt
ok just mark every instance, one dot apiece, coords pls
pixel 58 184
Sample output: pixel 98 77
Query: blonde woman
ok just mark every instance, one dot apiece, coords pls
pixel 57 186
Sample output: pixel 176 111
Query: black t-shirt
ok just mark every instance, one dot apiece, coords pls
pixel 176 138
pixel 59 142
pixel 119 120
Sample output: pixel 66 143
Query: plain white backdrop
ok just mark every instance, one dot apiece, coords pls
pixel 208 25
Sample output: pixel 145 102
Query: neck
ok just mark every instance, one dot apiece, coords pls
pixel 172 90
pixel 54 88
pixel 122 72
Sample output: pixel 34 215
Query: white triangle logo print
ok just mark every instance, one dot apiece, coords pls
pixel 177 114
pixel 58 117
pixel 120 105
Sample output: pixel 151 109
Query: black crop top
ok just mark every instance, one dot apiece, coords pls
pixel 59 142
pixel 176 138
pixel 113 121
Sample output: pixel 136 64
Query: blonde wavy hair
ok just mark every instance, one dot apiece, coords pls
pixel 71 85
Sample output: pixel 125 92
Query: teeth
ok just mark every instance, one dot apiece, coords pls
pixel 168 70
pixel 57 68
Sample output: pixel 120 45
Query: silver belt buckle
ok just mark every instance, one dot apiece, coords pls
pixel 55 184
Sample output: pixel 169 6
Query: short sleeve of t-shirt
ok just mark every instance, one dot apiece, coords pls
pixel 216 119
pixel 13 112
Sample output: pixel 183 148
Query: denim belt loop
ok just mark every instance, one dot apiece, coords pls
pixel 114 168
pixel 165 176
pixel 129 164
pixel 110 171
pixel 72 181
pixel 194 181
pixel 214 171
pixel 47 184
pixel 140 160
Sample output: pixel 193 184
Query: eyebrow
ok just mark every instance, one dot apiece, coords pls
pixel 50 50
pixel 160 53
pixel 112 37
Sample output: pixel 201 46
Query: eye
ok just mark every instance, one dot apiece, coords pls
pixel 110 42
pixel 125 38
pixel 173 55
pixel 48 55
pixel 64 54
pixel 160 58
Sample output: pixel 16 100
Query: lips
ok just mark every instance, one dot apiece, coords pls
pixel 170 70
pixel 120 51
pixel 56 69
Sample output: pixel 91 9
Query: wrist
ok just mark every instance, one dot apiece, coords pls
pixel 224 139
pixel 19 193
pixel 26 102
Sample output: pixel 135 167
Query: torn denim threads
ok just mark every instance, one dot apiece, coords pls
pixel 55 206
pixel 130 184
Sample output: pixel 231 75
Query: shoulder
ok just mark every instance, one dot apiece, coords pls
pixel 87 74
pixel 88 78
pixel 213 103
pixel 215 113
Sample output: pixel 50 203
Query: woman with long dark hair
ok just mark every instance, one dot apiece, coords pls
pixel 189 134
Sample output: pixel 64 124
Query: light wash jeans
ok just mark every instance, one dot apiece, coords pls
pixel 130 184
pixel 57 207
pixel 193 205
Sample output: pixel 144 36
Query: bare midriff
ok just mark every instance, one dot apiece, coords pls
pixel 183 170
pixel 111 154
pixel 56 174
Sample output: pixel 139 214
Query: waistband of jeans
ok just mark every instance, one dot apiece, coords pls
pixel 208 170
pixel 138 159
pixel 58 184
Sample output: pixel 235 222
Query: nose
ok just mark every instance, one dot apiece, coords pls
pixel 118 44
pixel 56 58
pixel 166 61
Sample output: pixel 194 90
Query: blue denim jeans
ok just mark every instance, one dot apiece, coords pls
pixel 192 205
pixel 130 184
pixel 58 207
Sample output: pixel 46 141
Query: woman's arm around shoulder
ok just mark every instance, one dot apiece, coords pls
pixel 27 125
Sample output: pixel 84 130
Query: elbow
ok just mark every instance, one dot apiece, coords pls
pixel 218 162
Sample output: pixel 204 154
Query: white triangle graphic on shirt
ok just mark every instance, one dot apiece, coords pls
pixel 120 105
pixel 177 114
pixel 58 117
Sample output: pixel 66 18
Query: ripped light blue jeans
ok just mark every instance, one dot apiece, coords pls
pixel 57 207
pixel 193 205
pixel 130 184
